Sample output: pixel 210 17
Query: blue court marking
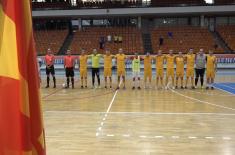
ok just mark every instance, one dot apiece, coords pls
pixel 228 87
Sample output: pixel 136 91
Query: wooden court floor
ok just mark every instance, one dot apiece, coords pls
pixel 140 122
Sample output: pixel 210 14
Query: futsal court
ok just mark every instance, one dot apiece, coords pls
pixel 147 121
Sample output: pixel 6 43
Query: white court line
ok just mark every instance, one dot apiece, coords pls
pixel 108 110
pixel 175 137
pixel 143 113
pixel 126 135
pixel 216 105
pixel 159 136
pixel 226 138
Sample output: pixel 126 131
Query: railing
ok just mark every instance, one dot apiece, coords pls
pixel 117 4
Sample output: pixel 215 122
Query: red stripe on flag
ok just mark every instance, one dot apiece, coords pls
pixel 14 126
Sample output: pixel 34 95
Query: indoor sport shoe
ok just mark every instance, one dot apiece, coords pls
pixel 133 88
pixel 139 88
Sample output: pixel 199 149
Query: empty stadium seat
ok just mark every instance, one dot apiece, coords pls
pixel 228 34
pixel 52 39
pixel 89 39
pixel 184 38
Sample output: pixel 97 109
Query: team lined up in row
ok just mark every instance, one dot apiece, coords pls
pixel 194 63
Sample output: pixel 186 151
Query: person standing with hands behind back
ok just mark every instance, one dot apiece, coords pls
pixel 69 64
pixel 50 60
pixel 200 67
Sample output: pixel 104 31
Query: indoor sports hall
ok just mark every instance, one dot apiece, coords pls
pixel 146 121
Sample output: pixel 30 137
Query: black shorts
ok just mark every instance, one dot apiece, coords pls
pixel 69 72
pixel 95 71
pixel 200 72
pixel 50 70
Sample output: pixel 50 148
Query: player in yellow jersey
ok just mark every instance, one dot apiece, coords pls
pixel 147 69
pixel 108 68
pixel 170 72
pixel 211 67
pixel 121 67
pixel 179 61
pixel 190 60
pixel 159 68
pixel 83 68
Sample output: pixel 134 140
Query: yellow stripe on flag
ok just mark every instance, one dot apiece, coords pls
pixel 8 59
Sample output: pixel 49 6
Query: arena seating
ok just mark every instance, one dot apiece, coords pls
pixel 184 38
pixel 89 39
pixel 50 5
pixel 228 34
pixel 178 2
pixel 108 4
pixel 52 39
pixel 222 2
pixel 122 4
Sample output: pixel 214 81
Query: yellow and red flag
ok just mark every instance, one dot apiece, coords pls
pixel 21 127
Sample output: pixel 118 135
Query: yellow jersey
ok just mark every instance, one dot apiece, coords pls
pixel 170 61
pixel 190 60
pixel 160 61
pixel 210 64
pixel 121 61
pixel 108 61
pixel 83 61
pixel 147 62
pixel 179 62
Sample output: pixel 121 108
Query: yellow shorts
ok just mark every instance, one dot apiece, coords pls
pixel 190 72
pixel 170 72
pixel 107 72
pixel 179 73
pixel 159 73
pixel 148 74
pixel 210 74
pixel 83 73
pixel 121 72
